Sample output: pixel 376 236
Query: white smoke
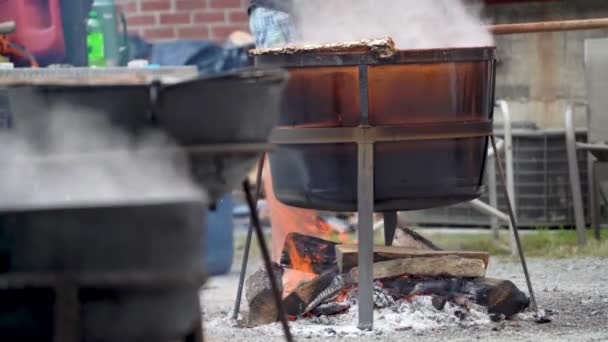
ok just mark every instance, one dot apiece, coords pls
pixel 69 156
pixel 413 24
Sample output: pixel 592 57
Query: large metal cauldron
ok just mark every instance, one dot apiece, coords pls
pixel 206 115
pixel 427 112
pixel 128 271
pixel 135 268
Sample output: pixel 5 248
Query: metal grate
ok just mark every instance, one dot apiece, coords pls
pixel 542 186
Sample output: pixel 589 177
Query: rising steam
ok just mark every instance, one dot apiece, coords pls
pixel 413 24
pixel 69 156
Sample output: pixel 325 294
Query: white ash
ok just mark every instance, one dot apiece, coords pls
pixel 417 314
pixel 381 298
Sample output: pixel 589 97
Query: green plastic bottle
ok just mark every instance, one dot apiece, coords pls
pixel 114 44
pixel 95 41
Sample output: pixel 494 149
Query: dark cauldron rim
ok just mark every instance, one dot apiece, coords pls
pixel 105 204
pixel 352 58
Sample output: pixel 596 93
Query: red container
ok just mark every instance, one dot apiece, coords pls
pixel 39 27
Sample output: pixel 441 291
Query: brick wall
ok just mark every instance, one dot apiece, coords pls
pixel 185 19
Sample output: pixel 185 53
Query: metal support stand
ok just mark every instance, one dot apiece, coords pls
pixel 390 227
pixel 267 262
pixel 365 235
pixel 366 134
pixel 258 190
pixel 522 256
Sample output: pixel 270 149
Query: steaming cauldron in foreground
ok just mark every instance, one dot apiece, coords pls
pixel 135 268
pixel 125 270
pixel 333 90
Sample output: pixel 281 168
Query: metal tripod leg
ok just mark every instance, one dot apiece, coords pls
pixel 390 226
pixel 267 262
pixel 522 257
pixel 365 235
pixel 239 293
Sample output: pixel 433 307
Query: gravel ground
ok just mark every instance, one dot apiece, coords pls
pixel 574 289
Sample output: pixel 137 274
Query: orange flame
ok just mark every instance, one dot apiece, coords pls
pixel 285 220
pixel 298 262
pixel 342 295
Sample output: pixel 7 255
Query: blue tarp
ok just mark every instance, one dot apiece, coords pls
pixel 219 242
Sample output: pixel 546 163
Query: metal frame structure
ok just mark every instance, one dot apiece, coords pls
pixel 365 233
pixel 365 136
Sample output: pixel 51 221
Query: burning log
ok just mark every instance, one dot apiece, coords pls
pixel 262 307
pixel 298 302
pixel 307 253
pixel 310 295
pixel 346 255
pixel 439 266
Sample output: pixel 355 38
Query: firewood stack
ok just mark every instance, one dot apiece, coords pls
pixel 414 268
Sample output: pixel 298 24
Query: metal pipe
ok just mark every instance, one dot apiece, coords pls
pixel 508 139
pixel 575 182
pixel 489 210
pixel 549 26
pixel 493 197
pixel 365 235
pixel 508 136
pixel 258 190
pixel 492 193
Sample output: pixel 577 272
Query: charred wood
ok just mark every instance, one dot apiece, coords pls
pixel 297 302
pixel 262 307
pixel 499 296
pixel 331 309
pixel 321 253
